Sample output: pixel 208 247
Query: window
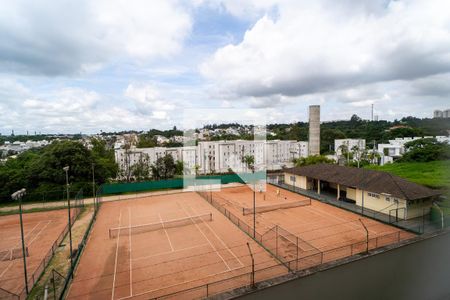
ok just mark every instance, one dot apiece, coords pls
pixel 373 195
pixel 292 178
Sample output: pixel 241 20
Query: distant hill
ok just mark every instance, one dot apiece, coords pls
pixel 378 131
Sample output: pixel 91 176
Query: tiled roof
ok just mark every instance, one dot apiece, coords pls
pixel 369 180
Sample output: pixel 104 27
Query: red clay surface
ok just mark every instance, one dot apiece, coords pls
pixel 322 227
pixel 171 262
pixel 41 229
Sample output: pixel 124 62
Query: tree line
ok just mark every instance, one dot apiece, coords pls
pixel 40 171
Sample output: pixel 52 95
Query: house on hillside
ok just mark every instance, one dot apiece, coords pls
pixel 375 190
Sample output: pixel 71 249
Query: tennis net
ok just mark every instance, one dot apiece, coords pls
pixel 114 232
pixel 266 208
pixel 11 254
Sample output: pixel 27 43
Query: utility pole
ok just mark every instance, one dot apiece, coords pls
pixel 367 235
pixel 18 196
pixel 66 169
pixel 253 265
pixel 254 208
pixel 93 186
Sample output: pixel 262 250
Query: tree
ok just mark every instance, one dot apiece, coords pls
pixel 373 157
pixel 196 168
pixel 141 170
pixel 424 150
pixel 40 170
pixel 312 160
pixel 164 167
pixel 146 141
pixel 327 137
pixel 249 161
pixel 179 167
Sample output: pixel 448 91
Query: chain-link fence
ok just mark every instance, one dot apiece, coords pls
pixel 78 204
pixel 294 252
pixel 58 281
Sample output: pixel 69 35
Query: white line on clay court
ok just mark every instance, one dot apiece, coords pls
pixel 180 283
pixel 129 240
pixel 165 231
pixel 220 239
pixel 117 252
pixel 212 246
pixel 39 233
pixel 169 252
pixel 12 262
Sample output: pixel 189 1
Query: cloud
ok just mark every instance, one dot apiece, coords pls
pixel 149 99
pixel 438 85
pixel 321 46
pixel 70 110
pixel 68 37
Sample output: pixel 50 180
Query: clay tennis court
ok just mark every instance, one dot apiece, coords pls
pixel 305 227
pixel 41 229
pixel 172 246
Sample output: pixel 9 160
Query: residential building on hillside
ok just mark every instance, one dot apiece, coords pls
pixel 377 191
pixel 217 156
pixel 343 145
pixel 18 147
pixel 438 114
pixel 396 148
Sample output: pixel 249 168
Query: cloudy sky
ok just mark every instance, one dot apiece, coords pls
pixel 86 66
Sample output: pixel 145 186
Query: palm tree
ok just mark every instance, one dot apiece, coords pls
pixel 249 161
pixel 196 168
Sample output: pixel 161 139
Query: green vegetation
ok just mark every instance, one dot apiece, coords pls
pixel 40 171
pixel 60 262
pixel 435 174
pixel 165 167
pixel 378 131
pixel 312 160
pixel 249 161
pixel 425 150
pixel 30 210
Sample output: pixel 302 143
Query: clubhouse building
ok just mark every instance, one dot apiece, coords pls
pixel 375 190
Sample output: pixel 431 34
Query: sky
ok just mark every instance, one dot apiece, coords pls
pixel 109 65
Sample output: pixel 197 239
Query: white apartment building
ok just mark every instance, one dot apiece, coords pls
pixel 442 114
pixel 218 156
pixel 443 139
pixel 349 144
pixel 19 147
pixel 396 148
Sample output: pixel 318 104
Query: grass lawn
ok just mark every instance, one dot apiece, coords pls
pixel 435 174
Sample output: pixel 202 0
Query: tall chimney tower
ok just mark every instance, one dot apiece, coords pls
pixel 314 130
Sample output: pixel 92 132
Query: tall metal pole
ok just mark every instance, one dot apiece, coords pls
pixel 18 196
pixel 66 169
pixel 367 235
pixel 253 265
pixel 362 196
pixel 93 186
pixel 254 204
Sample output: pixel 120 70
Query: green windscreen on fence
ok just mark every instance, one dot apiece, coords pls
pixel 178 183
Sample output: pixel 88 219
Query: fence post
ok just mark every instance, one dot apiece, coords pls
pixel 54 285
pixel 296 261
pixel 276 240
pixel 207 290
